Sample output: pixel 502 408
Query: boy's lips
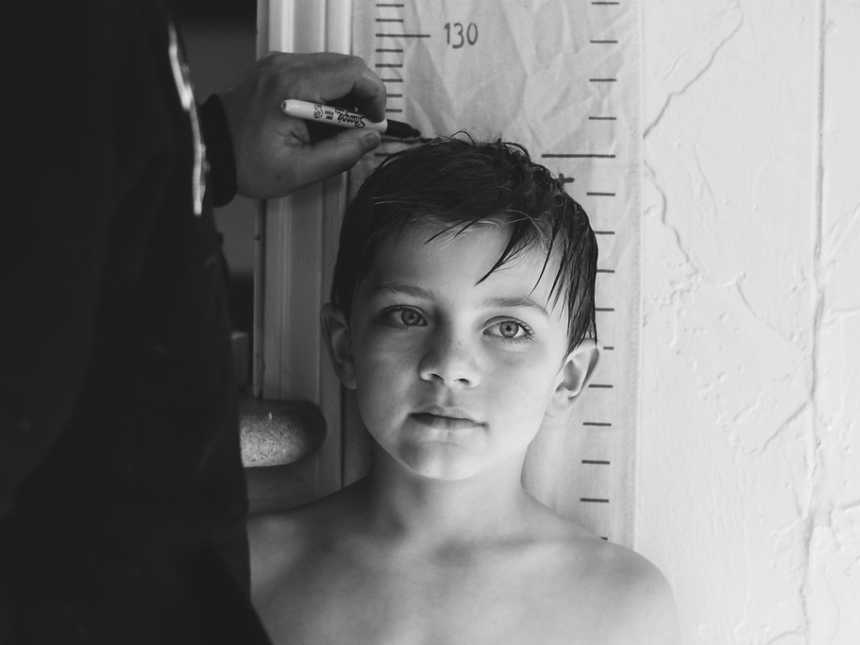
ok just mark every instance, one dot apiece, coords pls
pixel 445 417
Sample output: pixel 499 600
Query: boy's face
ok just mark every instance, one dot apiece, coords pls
pixel 453 376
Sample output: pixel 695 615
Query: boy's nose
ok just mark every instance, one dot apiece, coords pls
pixel 449 361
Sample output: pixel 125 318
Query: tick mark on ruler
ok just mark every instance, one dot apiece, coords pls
pixel 604 309
pixel 597 462
pixel 603 80
pixel 391 65
pixel 402 35
pixel 603 3
pixel 597 424
pixel 604 232
pixel 603 42
pixel 388 4
pixel 393 110
pixel 605 386
pixel 609 348
pixel 389 50
pixel 594 500
pixel 592 194
pixel 602 118
pixel 606 270
pixel 575 155
pixel 392 80
pixel 389 19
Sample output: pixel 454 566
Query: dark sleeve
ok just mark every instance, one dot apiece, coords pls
pixel 52 247
pixel 67 170
pixel 56 235
pixel 221 177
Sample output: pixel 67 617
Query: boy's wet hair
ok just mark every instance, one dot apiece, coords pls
pixel 457 183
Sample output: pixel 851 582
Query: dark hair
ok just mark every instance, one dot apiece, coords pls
pixel 458 182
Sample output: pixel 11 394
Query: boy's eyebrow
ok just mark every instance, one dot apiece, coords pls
pixel 407 289
pixel 523 301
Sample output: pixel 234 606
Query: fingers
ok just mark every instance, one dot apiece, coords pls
pixel 271 150
pixel 368 91
pixel 334 155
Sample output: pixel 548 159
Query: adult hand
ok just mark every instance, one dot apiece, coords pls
pixel 274 153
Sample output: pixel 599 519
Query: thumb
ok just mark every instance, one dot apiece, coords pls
pixel 335 154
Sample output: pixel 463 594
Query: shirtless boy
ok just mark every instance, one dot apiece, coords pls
pixel 462 316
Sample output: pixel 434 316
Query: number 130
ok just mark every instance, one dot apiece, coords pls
pixel 456 35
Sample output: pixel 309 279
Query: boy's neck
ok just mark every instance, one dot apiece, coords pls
pixel 406 508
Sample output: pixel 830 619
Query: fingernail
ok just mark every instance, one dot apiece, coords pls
pixel 371 139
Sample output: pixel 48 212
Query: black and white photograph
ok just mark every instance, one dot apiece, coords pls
pixel 431 322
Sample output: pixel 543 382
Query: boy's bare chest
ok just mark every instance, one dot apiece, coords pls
pixel 332 603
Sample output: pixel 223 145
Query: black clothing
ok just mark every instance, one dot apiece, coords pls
pixel 122 494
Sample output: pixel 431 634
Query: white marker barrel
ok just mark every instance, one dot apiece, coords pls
pixel 329 114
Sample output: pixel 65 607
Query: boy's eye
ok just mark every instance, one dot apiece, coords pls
pixel 404 317
pixel 509 330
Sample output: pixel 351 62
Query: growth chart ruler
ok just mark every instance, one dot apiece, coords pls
pixel 562 79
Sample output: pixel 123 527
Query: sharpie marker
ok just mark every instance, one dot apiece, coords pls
pixel 345 119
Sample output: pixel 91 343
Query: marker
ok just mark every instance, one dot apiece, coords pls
pixel 338 116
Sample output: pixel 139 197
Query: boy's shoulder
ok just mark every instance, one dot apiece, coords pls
pixel 277 540
pixel 624 587
pixel 273 540
pixel 629 594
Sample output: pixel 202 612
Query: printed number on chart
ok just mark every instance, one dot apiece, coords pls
pixel 457 35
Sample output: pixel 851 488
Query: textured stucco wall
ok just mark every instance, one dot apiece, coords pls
pixel 748 470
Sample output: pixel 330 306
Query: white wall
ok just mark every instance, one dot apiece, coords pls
pixel 748 473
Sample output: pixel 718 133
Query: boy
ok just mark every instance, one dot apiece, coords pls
pixel 462 316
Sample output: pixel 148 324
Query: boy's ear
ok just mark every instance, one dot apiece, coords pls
pixel 336 333
pixel 573 376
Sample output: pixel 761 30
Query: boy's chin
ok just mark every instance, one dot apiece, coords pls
pixel 440 463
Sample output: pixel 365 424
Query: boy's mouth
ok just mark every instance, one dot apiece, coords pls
pixel 446 418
